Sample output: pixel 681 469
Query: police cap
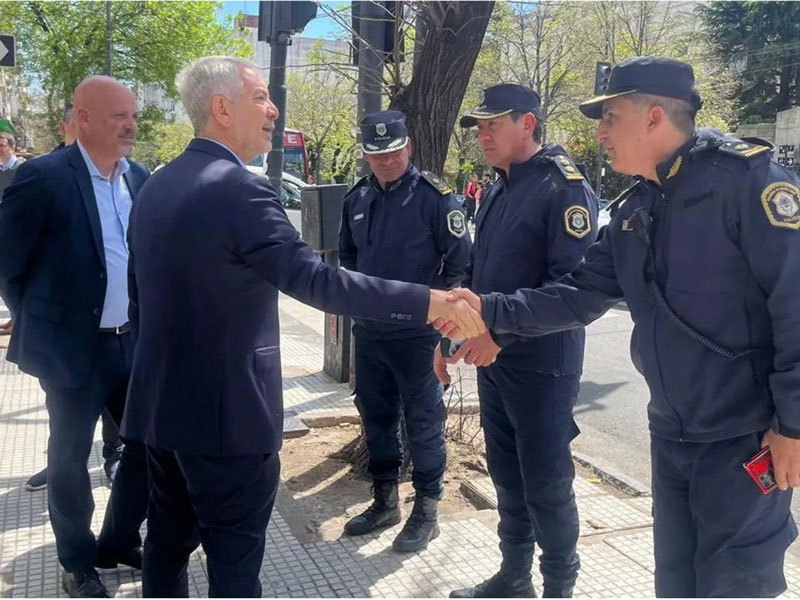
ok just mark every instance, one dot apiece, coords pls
pixel 503 99
pixel 647 75
pixel 383 132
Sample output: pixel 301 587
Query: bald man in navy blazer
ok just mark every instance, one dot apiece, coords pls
pixel 211 247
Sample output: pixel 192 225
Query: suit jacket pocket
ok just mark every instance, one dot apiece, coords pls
pixel 43 308
pixel 267 370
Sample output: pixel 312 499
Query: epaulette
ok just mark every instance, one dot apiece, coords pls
pixel 567 167
pixel 620 200
pixel 438 183
pixel 742 149
pixel 357 184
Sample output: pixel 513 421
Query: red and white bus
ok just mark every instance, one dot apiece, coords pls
pixel 295 156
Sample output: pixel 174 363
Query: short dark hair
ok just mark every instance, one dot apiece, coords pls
pixel 67 114
pixel 537 128
pixel 680 113
pixel 9 137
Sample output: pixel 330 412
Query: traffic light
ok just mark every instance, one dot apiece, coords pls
pixel 602 74
pixel 275 18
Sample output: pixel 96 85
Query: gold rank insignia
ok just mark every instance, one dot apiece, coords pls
pixel 568 168
pixel 577 221
pixel 438 183
pixel 743 149
pixel 676 166
pixel 781 202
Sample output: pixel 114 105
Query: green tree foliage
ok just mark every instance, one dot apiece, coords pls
pixel 552 47
pixel 321 103
pixel 60 43
pixel 761 42
pixel 163 143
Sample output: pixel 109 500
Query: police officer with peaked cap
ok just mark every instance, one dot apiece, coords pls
pixel 705 249
pixel 401 223
pixel 535 223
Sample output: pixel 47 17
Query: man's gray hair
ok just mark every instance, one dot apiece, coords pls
pixel 680 112
pixel 12 141
pixel 208 77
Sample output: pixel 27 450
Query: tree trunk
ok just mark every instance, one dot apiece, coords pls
pixel 432 99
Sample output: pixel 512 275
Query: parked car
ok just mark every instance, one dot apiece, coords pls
pixel 291 186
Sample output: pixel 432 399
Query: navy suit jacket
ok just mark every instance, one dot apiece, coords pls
pixel 52 265
pixel 211 247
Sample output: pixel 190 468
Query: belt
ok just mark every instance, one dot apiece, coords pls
pixel 125 328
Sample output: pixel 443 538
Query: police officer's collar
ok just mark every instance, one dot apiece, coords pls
pixel 670 169
pixel 518 169
pixel 393 185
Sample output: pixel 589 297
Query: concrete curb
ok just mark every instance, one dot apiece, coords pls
pixel 611 475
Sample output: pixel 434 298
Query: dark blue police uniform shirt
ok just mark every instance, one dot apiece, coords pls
pixel 410 232
pixel 524 239
pixel 722 239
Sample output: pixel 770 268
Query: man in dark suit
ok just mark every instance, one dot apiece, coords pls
pixel 63 274
pixel 210 248
pixel 112 445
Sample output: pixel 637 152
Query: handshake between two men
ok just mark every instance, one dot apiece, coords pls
pixel 457 314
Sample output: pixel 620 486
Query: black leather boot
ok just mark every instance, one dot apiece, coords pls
pixel 383 512
pixel 557 589
pixel 512 581
pixel 500 585
pixel 421 527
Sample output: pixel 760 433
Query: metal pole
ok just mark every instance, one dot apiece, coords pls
pixel 370 67
pixel 109 39
pixel 277 92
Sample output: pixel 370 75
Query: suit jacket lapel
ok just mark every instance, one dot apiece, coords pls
pixel 81 174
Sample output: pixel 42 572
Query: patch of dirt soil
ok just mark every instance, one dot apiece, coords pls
pixel 325 492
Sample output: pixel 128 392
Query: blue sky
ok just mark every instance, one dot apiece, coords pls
pixel 321 27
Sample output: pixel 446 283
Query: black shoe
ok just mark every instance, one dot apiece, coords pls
pixel 383 512
pixel 37 482
pixel 85 584
pixel 499 586
pixel 557 591
pixel 111 559
pixel 420 528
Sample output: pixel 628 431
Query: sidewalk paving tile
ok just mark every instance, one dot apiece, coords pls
pixel 617 562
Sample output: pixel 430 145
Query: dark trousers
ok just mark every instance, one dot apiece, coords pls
pixel 110 432
pixel 528 426
pixel 394 378
pixel 73 414
pixel 470 206
pixel 223 503
pixel 715 533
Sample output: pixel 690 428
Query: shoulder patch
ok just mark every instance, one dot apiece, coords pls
pixel 781 201
pixel 577 221
pixel 567 167
pixel 437 182
pixel 456 223
pixel 742 149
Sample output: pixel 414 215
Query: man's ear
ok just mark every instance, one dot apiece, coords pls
pixel 221 110
pixel 530 123
pixel 656 116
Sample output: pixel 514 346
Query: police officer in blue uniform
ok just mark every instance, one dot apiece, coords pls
pixel 404 224
pixel 534 224
pixel 705 249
